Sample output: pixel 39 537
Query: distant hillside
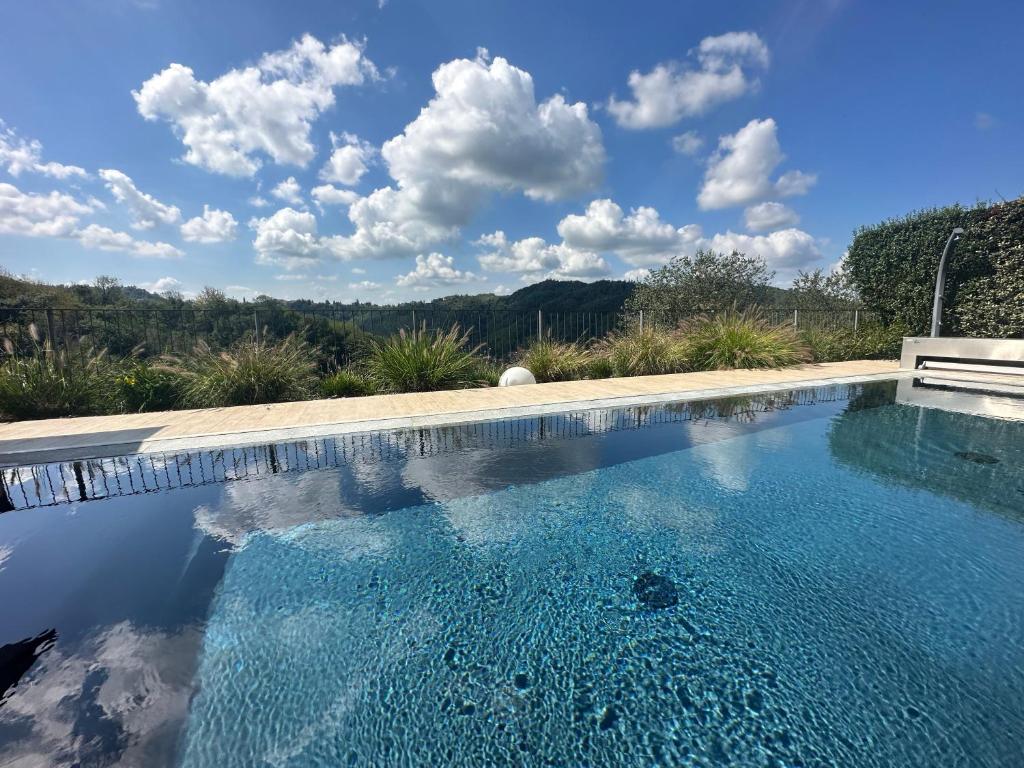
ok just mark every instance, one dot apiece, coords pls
pixel 550 296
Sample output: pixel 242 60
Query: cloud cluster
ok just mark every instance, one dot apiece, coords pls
pixel 689 143
pixel 106 239
pixel 212 227
pixel 327 194
pixel 162 285
pixel 739 172
pixel 640 238
pixel 349 159
pixel 147 211
pixel 673 91
pixel 57 215
pixel 534 259
pixel 230 123
pixel 784 250
pixel 482 132
pixel 289 238
pixel 18 155
pixel 434 270
pixel 767 216
pixel 288 191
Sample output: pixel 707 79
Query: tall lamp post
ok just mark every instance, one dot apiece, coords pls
pixel 940 281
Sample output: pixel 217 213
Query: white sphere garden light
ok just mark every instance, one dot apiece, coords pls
pixel 513 377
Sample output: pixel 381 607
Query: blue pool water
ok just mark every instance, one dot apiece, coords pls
pixel 807 579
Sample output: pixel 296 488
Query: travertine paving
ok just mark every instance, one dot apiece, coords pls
pixel 92 436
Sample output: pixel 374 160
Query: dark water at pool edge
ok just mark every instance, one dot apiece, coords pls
pixel 137 606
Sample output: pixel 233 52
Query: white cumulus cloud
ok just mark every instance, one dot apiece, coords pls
pixel 636 275
pixel 364 285
pixel 482 132
pixel 288 191
pixel 57 215
pixel 162 285
pixel 739 172
pixel 327 194
pixel 213 226
pixel 38 215
pixel 348 161
pixel 106 239
pixel 689 143
pixel 786 249
pixel 229 124
pixel 672 91
pixel 433 269
pixel 795 183
pixel 289 238
pixel 146 210
pixel 767 216
pixel 534 259
pixel 640 238
pixel 18 155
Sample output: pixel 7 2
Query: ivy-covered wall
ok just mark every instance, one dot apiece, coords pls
pixel 893 266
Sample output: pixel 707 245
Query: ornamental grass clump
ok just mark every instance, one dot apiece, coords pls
pixel 741 340
pixel 645 352
pixel 869 342
pixel 424 361
pixel 250 372
pixel 346 383
pixel 47 383
pixel 551 360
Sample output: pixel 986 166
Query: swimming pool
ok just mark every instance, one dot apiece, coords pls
pixel 812 577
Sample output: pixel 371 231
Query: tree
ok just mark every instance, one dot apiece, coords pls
pixel 817 290
pixel 704 283
pixel 211 298
pixel 108 289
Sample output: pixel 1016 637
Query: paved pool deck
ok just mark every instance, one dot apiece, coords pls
pixel 29 442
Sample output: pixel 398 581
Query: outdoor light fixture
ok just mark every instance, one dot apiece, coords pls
pixel 940 281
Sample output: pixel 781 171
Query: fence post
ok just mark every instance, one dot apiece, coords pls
pixel 795 317
pixel 414 323
pixel 641 321
pixel 51 335
pixel 540 326
pixel 856 318
pixel 256 324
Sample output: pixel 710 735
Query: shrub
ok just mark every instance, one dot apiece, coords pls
pixel 420 361
pixel 551 360
pixel 741 340
pixel 46 384
pixel 250 372
pixel 599 368
pixel 642 353
pixel 893 266
pixel 488 372
pixel 144 387
pixel 872 342
pixel 706 282
pixel 346 383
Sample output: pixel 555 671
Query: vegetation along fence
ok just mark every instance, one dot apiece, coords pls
pixel 341 334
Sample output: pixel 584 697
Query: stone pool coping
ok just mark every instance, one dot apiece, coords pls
pixel 88 437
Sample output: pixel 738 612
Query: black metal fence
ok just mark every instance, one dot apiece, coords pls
pixel 340 333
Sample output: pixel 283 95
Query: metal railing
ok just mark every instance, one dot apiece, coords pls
pixel 340 333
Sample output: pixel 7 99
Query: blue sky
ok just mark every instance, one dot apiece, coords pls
pixel 348 150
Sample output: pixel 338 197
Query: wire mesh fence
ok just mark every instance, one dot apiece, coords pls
pixel 341 334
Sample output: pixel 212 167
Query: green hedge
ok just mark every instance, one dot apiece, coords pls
pixel 893 266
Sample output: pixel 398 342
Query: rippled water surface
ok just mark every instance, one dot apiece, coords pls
pixel 815 578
